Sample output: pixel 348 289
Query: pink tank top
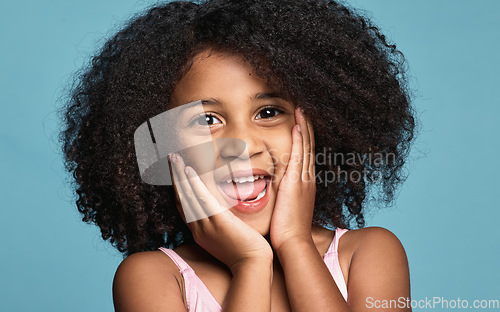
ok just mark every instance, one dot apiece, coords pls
pixel 199 298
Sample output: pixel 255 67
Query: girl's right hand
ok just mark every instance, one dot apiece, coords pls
pixel 223 235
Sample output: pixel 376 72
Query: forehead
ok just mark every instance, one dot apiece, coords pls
pixel 210 60
pixel 214 74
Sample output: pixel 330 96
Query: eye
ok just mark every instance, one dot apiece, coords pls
pixel 206 119
pixel 268 112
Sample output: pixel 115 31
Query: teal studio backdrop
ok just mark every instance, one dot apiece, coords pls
pixel 447 214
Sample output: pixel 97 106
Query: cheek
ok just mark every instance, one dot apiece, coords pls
pixel 280 147
pixel 198 153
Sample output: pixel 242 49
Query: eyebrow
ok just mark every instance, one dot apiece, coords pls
pixel 213 101
pixel 262 96
pixel 210 101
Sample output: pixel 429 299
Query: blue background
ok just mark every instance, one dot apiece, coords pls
pixel 446 216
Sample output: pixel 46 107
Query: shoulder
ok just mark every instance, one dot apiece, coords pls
pixel 371 237
pixel 378 264
pixel 147 281
pixel 374 244
pixel 147 262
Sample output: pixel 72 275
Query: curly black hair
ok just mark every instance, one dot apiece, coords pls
pixel 322 56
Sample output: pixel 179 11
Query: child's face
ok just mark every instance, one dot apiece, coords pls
pixel 240 105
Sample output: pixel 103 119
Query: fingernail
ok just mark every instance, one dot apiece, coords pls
pixel 188 171
pixel 298 128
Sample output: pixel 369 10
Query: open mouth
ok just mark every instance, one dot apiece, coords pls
pixel 245 189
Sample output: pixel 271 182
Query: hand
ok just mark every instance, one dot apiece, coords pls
pixel 293 211
pixel 223 235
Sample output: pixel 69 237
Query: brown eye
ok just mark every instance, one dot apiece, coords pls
pixel 206 119
pixel 268 112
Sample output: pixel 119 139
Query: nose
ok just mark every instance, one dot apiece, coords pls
pixel 240 141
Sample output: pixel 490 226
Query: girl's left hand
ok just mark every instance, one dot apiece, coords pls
pixel 294 207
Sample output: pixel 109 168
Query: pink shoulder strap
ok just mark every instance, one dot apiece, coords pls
pixel 332 261
pixel 334 246
pixel 198 297
pixel 179 262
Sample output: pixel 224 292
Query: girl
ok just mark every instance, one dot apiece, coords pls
pixel 293 80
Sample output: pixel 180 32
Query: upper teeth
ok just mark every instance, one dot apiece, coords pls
pixel 245 179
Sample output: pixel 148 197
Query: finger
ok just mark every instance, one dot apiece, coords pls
pixel 190 205
pixel 209 204
pixel 206 207
pixel 306 146
pixel 174 177
pixel 184 205
pixel 312 143
pixel 294 167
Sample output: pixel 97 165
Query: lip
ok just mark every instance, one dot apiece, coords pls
pixel 242 173
pixel 249 207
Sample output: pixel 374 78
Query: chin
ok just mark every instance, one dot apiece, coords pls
pixel 262 227
pixel 261 222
